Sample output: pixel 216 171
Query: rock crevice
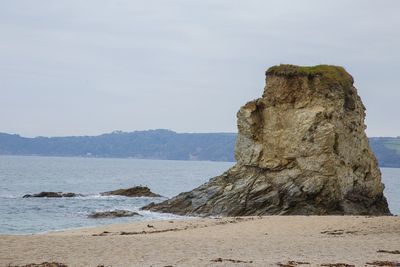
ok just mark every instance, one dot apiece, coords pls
pixel 301 149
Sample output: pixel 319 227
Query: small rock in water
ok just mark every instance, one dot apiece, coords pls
pixel 113 214
pixel 137 191
pixel 53 195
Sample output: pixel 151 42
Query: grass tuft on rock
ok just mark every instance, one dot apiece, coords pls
pixel 328 73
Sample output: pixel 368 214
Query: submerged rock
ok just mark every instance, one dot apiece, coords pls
pixel 301 149
pixel 113 214
pixel 53 195
pixel 137 191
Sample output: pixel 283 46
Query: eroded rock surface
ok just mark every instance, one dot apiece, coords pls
pixel 53 195
pixel 113 214
pixel 137 191
pixel 301 149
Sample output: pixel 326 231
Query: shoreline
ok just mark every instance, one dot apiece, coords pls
pixel 79 228
pixel 227 241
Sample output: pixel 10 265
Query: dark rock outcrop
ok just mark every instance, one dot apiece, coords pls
pixel 113 214
pixel 137 191
pixel 301 149
pixel 53 195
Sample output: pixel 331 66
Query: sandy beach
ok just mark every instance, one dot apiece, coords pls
pixel 242 241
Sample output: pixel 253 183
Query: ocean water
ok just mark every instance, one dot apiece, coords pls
pixel 20 175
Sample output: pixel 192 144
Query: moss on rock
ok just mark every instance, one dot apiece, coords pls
pixel 329 74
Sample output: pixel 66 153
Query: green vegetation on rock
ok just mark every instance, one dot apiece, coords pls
pixel 328 73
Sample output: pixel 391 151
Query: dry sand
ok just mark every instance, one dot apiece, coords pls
pixel 251 241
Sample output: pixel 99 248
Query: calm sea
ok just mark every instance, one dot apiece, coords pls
pixel 20 175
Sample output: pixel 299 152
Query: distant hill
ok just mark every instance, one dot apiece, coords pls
pixel 158 144
pixel 387 150
pixel 152 144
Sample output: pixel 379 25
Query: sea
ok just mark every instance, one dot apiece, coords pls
pixel 20 175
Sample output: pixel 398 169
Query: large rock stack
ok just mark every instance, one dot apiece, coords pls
pixel 301 149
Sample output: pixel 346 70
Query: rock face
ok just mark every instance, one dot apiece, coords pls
pixel 53 195
pixel 301 149
pixel 112 214
pixel 137 191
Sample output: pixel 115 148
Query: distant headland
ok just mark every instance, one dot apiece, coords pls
pixel 158 144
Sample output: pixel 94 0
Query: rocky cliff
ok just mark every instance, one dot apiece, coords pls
pixel 301 149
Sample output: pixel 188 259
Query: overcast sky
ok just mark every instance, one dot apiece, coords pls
pixel 78 67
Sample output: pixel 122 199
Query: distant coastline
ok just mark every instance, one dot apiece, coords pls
pixel 150 144
pixel 387 150
pixel 158 144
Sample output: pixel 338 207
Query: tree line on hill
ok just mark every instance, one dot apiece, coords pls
pixel 158 144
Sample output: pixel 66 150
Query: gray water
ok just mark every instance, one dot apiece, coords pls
pixel 20 175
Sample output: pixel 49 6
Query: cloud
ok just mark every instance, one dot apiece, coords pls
pixel 87 67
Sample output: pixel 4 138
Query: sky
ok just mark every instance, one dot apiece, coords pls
pixel 74 67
